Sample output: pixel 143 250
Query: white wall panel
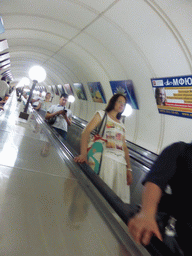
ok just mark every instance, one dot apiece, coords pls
pixel 71 12
pixel 177 129
pixel 152 35
pixel 31 44
pixel 98 5
pixel 105 58
pixel 132 125
pixel 94 69
pixel 42 37
pixel 179 15
pixel 55 27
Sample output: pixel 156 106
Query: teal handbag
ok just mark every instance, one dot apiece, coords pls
pixel 95 148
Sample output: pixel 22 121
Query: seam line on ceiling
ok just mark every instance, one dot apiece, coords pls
pixel 88 25
pixel 173 30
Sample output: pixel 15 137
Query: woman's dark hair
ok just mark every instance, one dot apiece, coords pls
pixel 112 102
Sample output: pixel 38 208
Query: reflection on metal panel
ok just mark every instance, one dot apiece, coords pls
pixel 3 45
pixel 2 29
pixel 4 56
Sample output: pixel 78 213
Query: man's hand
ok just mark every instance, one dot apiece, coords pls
pixel 64 113
pixel 142 227
pixel 60 112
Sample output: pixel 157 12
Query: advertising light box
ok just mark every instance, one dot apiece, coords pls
pixel 173 95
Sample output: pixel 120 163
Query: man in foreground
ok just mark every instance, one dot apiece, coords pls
pixel 173 167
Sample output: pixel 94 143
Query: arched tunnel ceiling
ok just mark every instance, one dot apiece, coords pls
pixel 99 41
pixel 87 40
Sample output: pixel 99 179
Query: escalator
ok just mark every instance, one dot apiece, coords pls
pixel 49 206
pixel 141 161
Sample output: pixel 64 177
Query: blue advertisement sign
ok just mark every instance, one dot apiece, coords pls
pixel 173 95
pixel 125 87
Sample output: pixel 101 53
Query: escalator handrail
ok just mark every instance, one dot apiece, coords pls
pixel 141 155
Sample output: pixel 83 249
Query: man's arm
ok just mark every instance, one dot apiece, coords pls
pixel 38 106
pixel 34 100
pixel 143 226
pixel 68 119
pixel 49 115
pixel 4 100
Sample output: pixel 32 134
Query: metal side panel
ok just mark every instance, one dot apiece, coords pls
pixel 48 206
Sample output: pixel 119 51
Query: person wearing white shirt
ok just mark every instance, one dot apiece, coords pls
pixel 4 92
pixel 36 100
pixel 63 116
pixel 44 105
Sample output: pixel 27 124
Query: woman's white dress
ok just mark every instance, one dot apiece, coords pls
pixel 113 167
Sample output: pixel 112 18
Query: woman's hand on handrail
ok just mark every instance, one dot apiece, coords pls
pixel 81 159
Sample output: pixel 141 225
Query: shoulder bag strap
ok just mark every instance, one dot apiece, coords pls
pixel 102 122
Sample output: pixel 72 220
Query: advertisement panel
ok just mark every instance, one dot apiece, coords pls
pixel 68 89
pixel 125 87
pixel 80 91
pixel 96 92
pixel 173 95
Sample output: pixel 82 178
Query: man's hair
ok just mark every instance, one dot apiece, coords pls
pixel 3 78
pixel 64 95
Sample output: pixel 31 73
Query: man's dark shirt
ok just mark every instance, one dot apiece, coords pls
pixel 173 167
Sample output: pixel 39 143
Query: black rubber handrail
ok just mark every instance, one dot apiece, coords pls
pixel 141 155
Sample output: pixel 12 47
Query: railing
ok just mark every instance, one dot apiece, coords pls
pixel 143 156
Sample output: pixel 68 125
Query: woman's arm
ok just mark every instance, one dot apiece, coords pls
pixel 85 138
